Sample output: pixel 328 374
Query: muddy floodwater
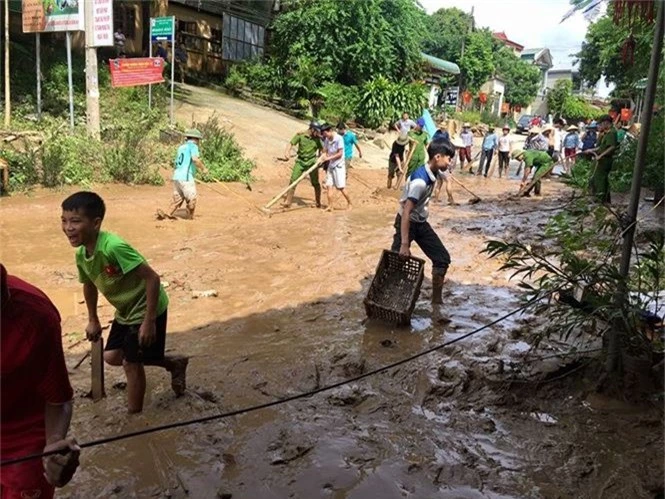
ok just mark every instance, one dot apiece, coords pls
pixel 288 317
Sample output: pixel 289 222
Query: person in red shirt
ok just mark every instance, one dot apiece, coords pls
pixel 36 397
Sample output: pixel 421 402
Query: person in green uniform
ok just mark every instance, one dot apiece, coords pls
pixel 608 142
pixel 309 146
pixel 532 158
pixel 418 140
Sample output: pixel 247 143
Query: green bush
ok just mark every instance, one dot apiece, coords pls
pixel 472 117
pixel 263 77
pixel 128 159
pixel 339 102
pixel 222 155
pixel 235 81
pixel 23 170
pixel 69 159
pixel 382 101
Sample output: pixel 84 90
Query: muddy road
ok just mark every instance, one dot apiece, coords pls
pixel 288 318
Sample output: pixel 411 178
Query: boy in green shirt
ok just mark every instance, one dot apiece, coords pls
pixel 418 142
pixel 309 146
pixel 109 265
pixel 532 158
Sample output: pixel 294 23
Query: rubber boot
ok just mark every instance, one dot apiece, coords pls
pixel 437 286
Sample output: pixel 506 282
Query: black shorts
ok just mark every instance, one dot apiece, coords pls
pixel 125 337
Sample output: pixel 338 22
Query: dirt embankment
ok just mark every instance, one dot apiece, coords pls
pixel 288 318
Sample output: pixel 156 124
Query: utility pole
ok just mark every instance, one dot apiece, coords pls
pixel 614 347
pixel 8 103
pixel 91 74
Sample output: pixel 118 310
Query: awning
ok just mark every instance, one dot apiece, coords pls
pixel 440 64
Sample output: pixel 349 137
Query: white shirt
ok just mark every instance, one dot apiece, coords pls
pixel 504 143
pixel 405 126
pixel 332 147
pixel 558 139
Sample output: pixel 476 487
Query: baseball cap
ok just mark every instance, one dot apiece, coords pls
pixel 420 122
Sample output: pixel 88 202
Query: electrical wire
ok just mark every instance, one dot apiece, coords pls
pixel 280 401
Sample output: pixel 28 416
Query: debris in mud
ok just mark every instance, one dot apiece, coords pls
pixel 222 494
pixel 348 396
pixel 286 450
pixel 388 343
pixel 120 385
pixel 208 293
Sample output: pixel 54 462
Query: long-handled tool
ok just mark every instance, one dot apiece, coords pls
pixel 247 201
pixel 97 353
pixel 476 199
pixel 536 178
pixel 266 208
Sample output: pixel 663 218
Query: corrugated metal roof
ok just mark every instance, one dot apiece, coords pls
pixel 259 11
pixel 447 66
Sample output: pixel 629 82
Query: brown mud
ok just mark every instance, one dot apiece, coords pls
pixel 288 317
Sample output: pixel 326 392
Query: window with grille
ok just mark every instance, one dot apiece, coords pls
pixel 241 39
pixel 124 19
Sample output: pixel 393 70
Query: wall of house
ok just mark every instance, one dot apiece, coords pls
pixel 553 77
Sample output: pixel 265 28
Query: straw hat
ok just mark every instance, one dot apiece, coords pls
pixel 466 125
pixel 535 130
pixel 572 128
pixel 506 127
pixel 516 153
pixel 403 139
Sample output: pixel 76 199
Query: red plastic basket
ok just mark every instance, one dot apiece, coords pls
pixel 395 288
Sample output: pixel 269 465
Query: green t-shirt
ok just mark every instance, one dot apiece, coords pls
pixel 609 139
pixel 110 270
pixel 536 158
pixel 308 147
pixel 421 138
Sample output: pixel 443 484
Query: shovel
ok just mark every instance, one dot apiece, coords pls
pixel 476 199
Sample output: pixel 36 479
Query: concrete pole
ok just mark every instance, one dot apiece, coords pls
pixel 91 75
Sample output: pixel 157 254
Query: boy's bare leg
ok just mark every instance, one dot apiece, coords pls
pixel 449 191
pixel 177 366
pixel 288 200
pixel 330 192
pixel 135 374
pixel 346 196
pixel 175 205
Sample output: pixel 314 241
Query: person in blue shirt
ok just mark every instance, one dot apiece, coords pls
pixel 350 140
pixel 590 137
pixel 490 144
pixel 571 142
pixel 441 134
pixel 187 160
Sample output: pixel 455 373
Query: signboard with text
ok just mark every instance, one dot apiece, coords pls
pixel 100 31
pixel 136 71
pixel 41 16
pixel 162 28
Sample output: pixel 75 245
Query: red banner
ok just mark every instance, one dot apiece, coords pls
pixel 466 97
pixel 482 97
pixel 626 114
pixel 136 71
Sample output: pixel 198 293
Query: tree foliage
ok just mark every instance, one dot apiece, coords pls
pixel 446 30
pixel 357 39
pixel 602 52
pixel 521 78
pixel 562 103
pixel 477 65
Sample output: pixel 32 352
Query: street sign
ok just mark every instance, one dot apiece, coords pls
pixel 40 16
pixel 136 71
pixel 451 96
pixel 99 23
pixel 162 28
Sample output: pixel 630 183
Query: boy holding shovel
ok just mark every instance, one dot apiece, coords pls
pixel 309 146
